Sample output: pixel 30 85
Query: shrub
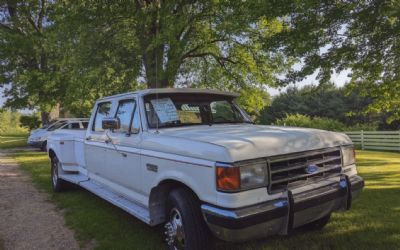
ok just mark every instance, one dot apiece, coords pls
pixel 30 121
pixel 10 124
pixel 298 120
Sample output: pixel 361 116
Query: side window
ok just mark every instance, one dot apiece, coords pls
pixel 103 111
pixel 85 125
pixel 66 126
pixel 74 125
pixel 124 113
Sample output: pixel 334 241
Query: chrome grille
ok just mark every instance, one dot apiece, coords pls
pixel 295 169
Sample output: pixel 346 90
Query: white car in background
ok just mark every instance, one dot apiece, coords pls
pixel 38 138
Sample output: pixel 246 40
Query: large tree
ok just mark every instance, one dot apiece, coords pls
pixel 125 45
pixel 74 51
pixel 360 36
pixel 27 56
pixel 170 42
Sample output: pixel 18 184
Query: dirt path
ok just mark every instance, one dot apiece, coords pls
pixel 27 219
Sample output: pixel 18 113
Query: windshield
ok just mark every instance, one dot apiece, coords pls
pixel 57 126
pixel 173 110
pixel 49 124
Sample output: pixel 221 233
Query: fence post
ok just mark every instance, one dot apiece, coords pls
pixel 399 141
pixel 362 139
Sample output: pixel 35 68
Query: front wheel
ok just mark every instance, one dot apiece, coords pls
pixel 185 228
pixel 58 184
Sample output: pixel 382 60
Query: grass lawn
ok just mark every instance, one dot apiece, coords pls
pixel 372 223
pixel 13 141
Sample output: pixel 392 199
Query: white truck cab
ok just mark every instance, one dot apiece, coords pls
pixel 191 159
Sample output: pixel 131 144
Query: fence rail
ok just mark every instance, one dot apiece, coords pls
pixel 379 140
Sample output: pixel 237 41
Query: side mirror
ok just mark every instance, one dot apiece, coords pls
pixel 110 123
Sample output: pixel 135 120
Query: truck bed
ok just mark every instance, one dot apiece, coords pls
pixel 69 144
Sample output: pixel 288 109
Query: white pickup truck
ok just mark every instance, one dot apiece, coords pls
pixel 193 160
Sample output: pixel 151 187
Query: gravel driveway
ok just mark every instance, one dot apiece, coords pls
pixel 27 219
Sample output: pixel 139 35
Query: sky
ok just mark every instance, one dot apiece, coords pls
pixel 338 79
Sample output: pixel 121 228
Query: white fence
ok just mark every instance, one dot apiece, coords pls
pixel 378 140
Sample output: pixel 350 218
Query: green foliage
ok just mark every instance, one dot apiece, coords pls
pixel 298 120
pixel 360 36
pixel 10 123
pixel 325 101
pixel 30 121
pixel 253 101
pixel 74 52
pixel 28 57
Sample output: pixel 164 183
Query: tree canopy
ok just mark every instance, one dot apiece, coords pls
pixel 72 52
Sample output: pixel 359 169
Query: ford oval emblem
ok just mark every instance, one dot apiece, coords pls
pixel 311 169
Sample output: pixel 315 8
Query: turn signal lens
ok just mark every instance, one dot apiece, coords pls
pixel 228 178
pixel 348 155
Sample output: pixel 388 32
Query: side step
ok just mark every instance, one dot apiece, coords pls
pixel 74 178
pixel 129 206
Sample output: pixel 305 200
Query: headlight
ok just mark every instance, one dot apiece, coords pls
pixel 348 155
pixel 241 176
pixel 252 174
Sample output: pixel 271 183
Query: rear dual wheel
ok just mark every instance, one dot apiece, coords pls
pixel 58 184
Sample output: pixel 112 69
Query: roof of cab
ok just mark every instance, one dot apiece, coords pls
pixel 171 91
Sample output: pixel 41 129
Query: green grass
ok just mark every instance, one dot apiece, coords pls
pixel 12 141
pixel 372 223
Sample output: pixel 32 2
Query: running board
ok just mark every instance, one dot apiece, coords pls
pixel 74 178
pixel 129 206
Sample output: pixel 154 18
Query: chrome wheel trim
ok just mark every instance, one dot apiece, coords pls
pixel 55 174
pixel 174 230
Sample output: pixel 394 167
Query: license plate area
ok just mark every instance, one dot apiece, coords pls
pixel 311 205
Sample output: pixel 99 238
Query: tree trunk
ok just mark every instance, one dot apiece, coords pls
pixel 55 112
pixel 44 116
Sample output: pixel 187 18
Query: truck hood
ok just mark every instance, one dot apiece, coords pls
pixel 247 141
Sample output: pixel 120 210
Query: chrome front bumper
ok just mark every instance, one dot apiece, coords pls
pixel 282 215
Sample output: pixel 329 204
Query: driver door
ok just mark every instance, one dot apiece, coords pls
pixel 123 159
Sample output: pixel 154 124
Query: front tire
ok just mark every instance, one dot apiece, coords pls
pixel 185 228
pixel 58 184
